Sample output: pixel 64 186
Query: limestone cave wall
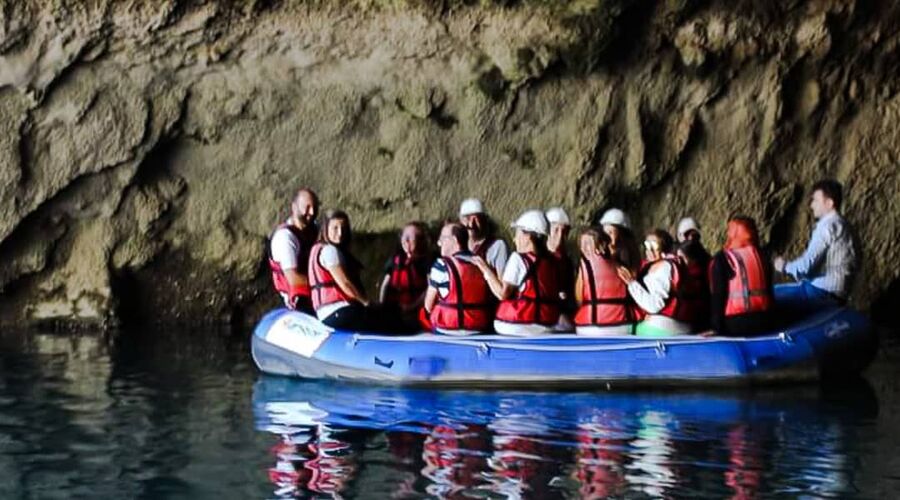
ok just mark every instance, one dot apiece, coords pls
pixel 148 147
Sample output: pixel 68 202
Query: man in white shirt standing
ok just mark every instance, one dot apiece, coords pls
pixel 826 268
pixel 481 238
pixel 289 249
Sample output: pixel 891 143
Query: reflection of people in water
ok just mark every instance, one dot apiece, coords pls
pixel 287 476
pixel 317 462
pixel 406 447
pixel 455 459
pixel 651 468
pixel 523 463
pixel 599 459
pixel 744 472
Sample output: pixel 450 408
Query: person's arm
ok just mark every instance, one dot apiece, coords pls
pixel 330 258
pixel 295 279
pixel 500 289
pixel 653 293
pixel 430 300
pixel 346 285
pixel 383 288
pixel 815 251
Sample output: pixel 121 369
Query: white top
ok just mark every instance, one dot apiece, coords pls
pixel 830 257
pixel 514 274
pixel 330 258
pixel 653 293
pixel 496 255
pixel 515 271
pixel 285 249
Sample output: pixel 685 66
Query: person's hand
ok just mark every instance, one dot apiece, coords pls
pixel 481 263
pixel 779 264
pixel 625 274
pixel 707 333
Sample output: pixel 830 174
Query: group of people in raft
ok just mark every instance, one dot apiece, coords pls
pixel 476 285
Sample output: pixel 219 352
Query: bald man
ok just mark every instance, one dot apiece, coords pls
pixel 289 248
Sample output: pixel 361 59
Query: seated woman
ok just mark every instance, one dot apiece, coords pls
pixel 602 297
pixel 530 291
pixel 656 290
pixel 741 283
pixel 623 245
pixel 402 289
pixel 334 276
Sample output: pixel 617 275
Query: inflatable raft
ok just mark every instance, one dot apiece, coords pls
pixel 838 341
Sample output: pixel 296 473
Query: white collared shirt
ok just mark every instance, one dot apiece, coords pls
pixel 830 257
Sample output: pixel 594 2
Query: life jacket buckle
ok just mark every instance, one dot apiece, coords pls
pixel 484 350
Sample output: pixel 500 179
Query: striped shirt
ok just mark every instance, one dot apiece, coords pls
pixel 439 276
pixel 830 257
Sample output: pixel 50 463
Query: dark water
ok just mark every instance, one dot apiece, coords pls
pixel 170 415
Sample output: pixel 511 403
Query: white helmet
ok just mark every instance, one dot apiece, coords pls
pixel 615 217
pixel 557 215
pixel 687 224
pixel 471 206
pixel 532 221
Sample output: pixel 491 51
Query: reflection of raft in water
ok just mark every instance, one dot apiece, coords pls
pixel 286 406
pixel 833 341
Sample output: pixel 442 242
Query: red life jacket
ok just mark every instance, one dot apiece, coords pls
pixel 282 286
pixel 604 297
pixel 538 301
pixel 675 307
pixel 467 305
pixel 324 289
pixel 748 290
pixel 407 283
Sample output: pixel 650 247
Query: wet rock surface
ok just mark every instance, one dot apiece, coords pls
pixel 148 148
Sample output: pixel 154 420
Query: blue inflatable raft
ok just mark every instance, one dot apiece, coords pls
pixel 837 341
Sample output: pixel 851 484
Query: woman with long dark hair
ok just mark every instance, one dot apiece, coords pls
pixel 334 274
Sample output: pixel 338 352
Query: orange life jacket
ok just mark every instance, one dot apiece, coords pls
pixel 537 302
pixel 748 290
pixel 282 286
pixel 604 297
pixel 468 304
pixel 324 289
pixel 407 282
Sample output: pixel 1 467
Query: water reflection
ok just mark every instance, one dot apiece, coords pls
pixel 186 415
pixel 589 445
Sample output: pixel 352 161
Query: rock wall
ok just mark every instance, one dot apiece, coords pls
pixel 148 147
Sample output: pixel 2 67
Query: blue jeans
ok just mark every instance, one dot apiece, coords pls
pixel 803 297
